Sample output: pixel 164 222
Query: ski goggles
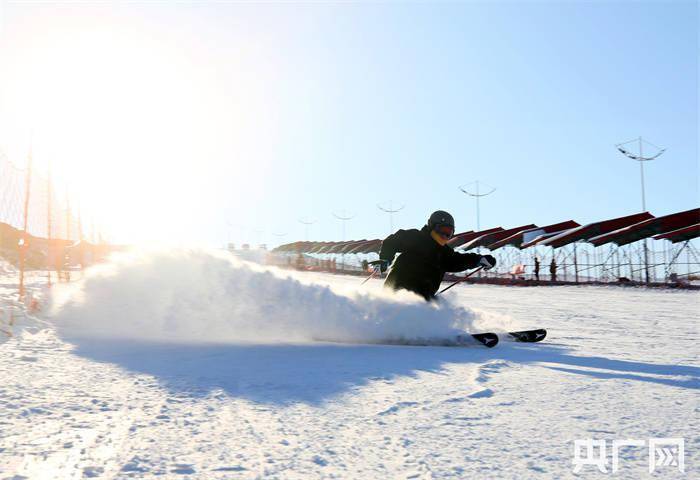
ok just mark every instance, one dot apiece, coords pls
pixel 445 231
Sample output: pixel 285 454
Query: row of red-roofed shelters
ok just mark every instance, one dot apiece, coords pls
pixel 338 248
pixel 620 231
pixel 585 260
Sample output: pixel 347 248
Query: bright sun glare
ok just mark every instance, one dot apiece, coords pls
pixel 133 120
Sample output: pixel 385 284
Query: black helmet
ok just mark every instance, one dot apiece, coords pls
pixel 440 218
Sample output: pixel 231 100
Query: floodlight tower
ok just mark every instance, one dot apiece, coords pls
pixel 279 235
pixel 229 234
pixel 343 216
pixel 307 223
pixel 259 237
pixel 641 159
pixel 391 211
pixel 477 195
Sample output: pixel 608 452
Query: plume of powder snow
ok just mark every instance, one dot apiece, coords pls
pixel 207 296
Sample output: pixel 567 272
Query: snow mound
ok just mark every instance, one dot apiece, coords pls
pixel 206 296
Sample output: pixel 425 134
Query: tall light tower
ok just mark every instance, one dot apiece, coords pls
pixel 279 235
pixel 229 236
pixel 343 216
pixel 477 195
pixel 391 211
pixel 641 159
pixel 307 223
pixel 259 237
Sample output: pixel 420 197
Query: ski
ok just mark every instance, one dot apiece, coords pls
pixel 529 336
pixel 487 339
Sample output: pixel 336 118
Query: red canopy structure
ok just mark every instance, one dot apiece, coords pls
pixel 647 228
pixel 327 247
pixel 336 248
pixel 680 235
pixel 455 240
pixel 297 247
pixel 540 238
pixel 368 246
pixel 374 247
pixel 593 229
pixel 527 235
pixel 349 246
pixel 319 246
pixel 462 238
pixel 492 237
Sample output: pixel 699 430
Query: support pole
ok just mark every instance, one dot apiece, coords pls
pixel 24 242
pixel 575 264
pixel 49 250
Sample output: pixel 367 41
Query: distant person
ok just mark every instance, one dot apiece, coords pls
pixel 426 257
pixel 553 270
pixel 537 269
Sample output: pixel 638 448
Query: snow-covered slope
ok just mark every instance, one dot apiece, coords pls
pixel 88 395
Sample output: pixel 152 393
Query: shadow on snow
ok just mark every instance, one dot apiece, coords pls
pixel 313 374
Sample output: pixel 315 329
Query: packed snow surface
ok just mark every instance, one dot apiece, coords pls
pixel 195 365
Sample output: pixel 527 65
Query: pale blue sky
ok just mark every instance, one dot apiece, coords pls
pixel 356 104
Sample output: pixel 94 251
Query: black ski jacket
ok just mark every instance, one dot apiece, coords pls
pixel 422 263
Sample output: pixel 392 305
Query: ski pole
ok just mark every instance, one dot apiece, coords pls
pixel 460 280
pixel 374 272
pixel 376 265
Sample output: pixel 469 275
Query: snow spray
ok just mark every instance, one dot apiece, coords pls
pixel 196 296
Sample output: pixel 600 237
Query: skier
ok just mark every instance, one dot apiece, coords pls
pixel 425 257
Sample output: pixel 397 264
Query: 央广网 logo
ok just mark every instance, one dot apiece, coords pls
pixel 663 452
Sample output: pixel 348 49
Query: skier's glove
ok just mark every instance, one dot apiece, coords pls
pixel 381 264
pixel 487 261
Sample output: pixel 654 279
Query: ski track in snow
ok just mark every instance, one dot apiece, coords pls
pixel 618 363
